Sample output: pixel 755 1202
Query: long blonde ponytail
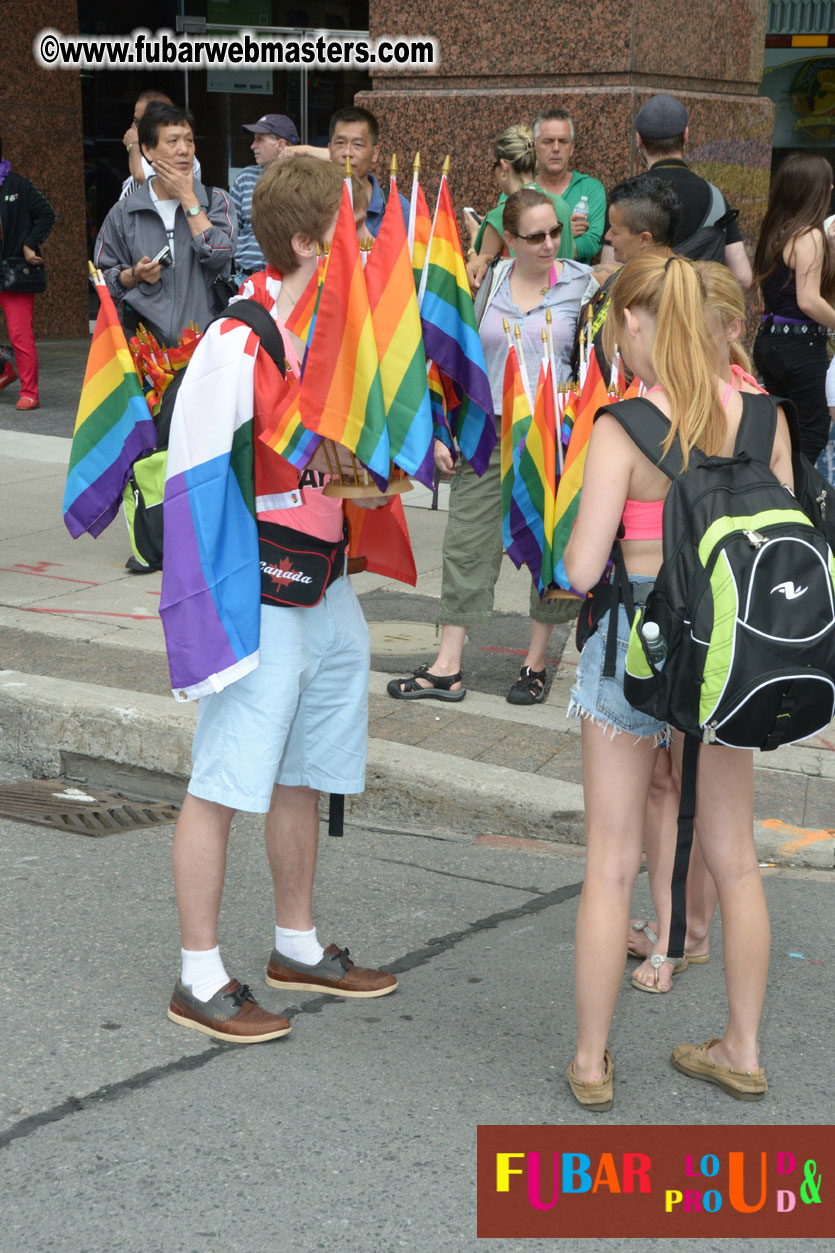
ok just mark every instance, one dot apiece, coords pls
pixel 683 355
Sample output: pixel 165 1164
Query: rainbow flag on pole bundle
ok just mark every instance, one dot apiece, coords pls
pixel 595 393
pixel 516 419
pixel 341 394
pixel 534 483
pixel 450 334
pixel 397 333
pixel 112 429
pixel 286 433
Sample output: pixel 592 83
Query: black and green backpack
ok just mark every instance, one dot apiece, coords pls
pixel 744 600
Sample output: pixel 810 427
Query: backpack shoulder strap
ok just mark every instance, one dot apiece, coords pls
pixel 258 319
pixel 716 208
pixel 648 427
pixel 757 427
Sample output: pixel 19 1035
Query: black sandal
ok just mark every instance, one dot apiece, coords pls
pixel 410 689
pixel 529 688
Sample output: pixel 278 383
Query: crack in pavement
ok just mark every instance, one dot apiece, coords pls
pixel 111 1092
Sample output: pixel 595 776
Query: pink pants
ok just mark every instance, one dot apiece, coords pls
pixel 18 307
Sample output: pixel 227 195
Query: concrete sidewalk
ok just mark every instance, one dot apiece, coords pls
pixel 84 677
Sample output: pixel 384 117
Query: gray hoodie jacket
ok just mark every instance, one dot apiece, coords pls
pixel 133 229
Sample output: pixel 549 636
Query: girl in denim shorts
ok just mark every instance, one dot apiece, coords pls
pixel 657 317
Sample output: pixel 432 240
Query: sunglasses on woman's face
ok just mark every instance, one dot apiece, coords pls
pixel 538 237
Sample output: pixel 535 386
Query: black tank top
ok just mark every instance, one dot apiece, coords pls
pixel 780 293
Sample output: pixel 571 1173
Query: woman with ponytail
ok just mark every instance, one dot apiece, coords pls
pixel 725 315
pixel 658 319
pixel 514 162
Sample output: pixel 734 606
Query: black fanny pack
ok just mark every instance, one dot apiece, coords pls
pixel 297 569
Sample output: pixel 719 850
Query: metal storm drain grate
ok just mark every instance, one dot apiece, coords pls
pixel 64 807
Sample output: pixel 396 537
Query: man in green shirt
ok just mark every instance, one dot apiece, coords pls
pixel 553 133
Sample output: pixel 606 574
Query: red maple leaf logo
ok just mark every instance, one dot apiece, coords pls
pixel 283 572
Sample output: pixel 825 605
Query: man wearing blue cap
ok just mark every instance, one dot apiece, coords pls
pixel 271 134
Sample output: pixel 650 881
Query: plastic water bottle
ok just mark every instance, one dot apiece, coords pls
pixel 656 645
pixel 582 207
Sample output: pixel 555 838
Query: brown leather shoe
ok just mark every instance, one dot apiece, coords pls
pixel 694 1060
pixel 595 1095
pixel 232 1014
pixel 335 974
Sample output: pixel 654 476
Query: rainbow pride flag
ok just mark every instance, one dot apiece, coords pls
pixel 595 393
pixel 303 314
pixel 516 419
pixel 112 428
pixel 534 487
pixel 284 431
pixel 341 393
pixel 211 581
pixel 450 334
pixel 397 333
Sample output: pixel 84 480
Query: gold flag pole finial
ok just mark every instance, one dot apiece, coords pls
pixel 348 170
pixel 416 162
pixel 393 164
pixel 445 166
pixel 506 329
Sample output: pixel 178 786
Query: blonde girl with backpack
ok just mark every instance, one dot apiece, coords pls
pixel 658 320
pixel 725 316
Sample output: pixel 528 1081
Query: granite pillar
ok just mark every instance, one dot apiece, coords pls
pixel 40 117
pixel 504 61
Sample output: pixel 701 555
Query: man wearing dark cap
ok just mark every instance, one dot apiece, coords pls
pixel 271 134
pixel 661 134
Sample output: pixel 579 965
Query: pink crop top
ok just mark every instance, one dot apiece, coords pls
pixel 642 519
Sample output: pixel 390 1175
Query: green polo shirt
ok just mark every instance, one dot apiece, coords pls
pixel 588 245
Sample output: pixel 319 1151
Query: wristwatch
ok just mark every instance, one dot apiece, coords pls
pixel 193 211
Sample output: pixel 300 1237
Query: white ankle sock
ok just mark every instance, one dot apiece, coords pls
pixel 203 972
pixel 300 946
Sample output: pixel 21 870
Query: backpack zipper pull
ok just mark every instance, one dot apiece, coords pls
pixel 754 538
pixel 709 733
pixel 821 501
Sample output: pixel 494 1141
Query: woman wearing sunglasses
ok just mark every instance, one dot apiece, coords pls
pixel 519 290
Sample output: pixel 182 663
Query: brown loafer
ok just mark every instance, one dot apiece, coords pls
pixel 335 974
pixel 743 1085
pixel 232 1014
pixel 596 1095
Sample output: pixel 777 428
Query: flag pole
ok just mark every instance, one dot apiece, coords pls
pixel 558 408
pixel 410 232
pixel 520 354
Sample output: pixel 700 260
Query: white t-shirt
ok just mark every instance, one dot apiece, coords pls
pixel 167 209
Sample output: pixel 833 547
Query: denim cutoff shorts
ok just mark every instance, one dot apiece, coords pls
pixel 601 699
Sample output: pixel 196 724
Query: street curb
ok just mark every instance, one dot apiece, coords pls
pixel 45 720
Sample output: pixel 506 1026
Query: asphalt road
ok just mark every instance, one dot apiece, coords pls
pixel 120 1130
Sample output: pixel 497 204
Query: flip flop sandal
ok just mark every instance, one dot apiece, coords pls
pixel 529 688
pixel 410 689
pixel 640 925
pixel 656 960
